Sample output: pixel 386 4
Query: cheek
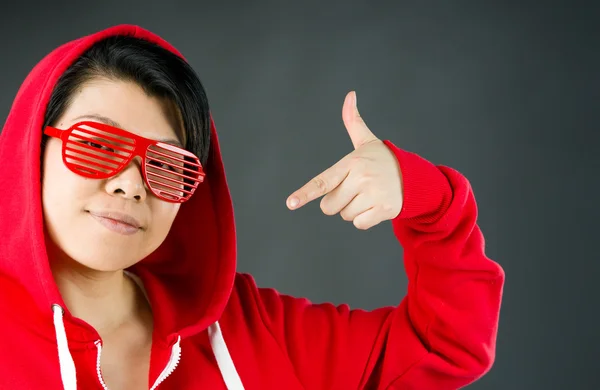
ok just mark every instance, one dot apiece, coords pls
pixel 61 188
pixel 163 215
pixel 53 170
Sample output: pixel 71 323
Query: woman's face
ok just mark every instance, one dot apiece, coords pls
pixel 73 204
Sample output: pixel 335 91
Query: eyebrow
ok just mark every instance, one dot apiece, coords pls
pixel 110 122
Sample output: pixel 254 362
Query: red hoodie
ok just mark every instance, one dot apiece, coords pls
pixel 214 329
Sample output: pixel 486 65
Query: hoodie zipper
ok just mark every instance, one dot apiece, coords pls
pixel 168 370
pixel 98 360
pixel 171 365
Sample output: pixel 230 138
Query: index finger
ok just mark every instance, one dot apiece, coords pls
pixel 319 185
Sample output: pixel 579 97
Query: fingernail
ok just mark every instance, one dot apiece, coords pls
pixel 294 202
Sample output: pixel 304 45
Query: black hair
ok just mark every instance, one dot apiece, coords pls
pixel 159 72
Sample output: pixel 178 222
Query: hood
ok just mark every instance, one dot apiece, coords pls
pixel 188 279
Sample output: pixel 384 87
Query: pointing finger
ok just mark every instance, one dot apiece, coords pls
pixel 320 185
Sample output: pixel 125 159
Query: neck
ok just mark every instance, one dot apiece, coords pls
pixel 107 300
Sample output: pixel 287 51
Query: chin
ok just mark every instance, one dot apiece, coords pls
pixel 104 262
pixel 102 252
pixel 95 249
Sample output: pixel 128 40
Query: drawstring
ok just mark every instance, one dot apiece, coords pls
pixel 67 366
pixel 228 372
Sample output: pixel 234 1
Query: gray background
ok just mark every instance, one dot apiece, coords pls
pixel 505 92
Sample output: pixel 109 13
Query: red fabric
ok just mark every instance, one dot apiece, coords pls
pixel 442 335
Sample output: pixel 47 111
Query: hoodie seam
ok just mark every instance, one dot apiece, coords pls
pixel 398 379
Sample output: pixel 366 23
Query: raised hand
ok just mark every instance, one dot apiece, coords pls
pixel 365 186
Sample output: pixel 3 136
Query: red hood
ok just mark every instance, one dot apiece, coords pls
pixel 188 279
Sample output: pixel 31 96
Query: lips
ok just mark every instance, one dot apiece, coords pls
pixel 117 222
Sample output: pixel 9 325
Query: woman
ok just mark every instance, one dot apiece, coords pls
pixel 117 263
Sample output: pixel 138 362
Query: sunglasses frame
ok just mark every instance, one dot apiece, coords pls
pixel 141 147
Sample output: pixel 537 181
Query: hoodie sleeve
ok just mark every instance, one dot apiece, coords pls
pixel 442 335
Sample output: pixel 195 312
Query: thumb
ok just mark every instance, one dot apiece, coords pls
pixel 357 129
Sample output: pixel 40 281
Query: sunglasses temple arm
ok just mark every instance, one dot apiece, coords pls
pixel 53 132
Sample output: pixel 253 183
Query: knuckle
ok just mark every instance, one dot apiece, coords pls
pixel 387 207
pixel 320 184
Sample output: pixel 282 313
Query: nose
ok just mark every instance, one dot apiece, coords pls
pixel 128 184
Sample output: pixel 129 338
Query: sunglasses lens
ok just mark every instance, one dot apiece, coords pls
pixel 172 174
pixel 96 153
